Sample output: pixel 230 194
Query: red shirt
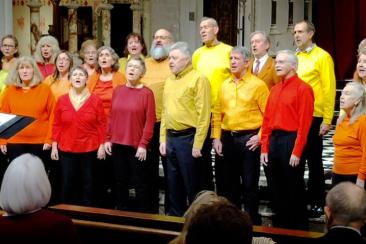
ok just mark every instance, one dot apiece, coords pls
pixel 46 69
pixel 132 117
pixel 82 130
pixel 289 107
pixel 104 90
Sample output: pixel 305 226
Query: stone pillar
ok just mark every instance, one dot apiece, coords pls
pixel 104 10
pixel 34 6
pixel 136 17
pixel 73 26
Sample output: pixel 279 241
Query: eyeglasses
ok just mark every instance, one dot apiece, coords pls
pixel 161 37
pixel 91 53
pixel 7 46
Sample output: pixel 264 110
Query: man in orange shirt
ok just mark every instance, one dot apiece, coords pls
pixel 237 118
pixel 286 124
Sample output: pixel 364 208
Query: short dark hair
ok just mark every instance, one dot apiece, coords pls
pixel 309 24
pixel 220 222
pixel 140 39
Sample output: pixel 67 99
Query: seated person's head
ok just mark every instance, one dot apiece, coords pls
pixel 25 187
pixel 219 222
pixel 346 205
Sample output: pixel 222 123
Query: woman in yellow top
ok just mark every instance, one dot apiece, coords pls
pixel 9 50
pixel 59 81
pixel 134 47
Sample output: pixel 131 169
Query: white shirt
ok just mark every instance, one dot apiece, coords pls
pixel 262 61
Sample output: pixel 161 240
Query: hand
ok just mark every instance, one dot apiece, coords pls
pixel 264 159
pixel 46 146
pixel 294 160
pixel 108 147
pixel 360 183
pixel 253 142
pixel 54 151
pixel 162 149
pixel 141 154
pixel 101 152
pixel 324 128
pixel 3 149
pixel 196 153
pixel 218 147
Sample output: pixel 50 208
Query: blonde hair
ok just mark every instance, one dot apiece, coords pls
pixel 14 78
pixel 50 40
pixel 85 44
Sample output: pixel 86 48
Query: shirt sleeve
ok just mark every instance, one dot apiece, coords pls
pixel 262 97
pixel 150 121
pixel 101 121
pixel 56 126
pixel 216 118
pixel 362 138
pixel 266 129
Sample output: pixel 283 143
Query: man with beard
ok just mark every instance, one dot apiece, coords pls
pixel 157 71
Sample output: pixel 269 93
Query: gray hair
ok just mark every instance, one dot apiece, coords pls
pixel 183 47
pixel 25 187
pixel 211 20
pixel 14 78
pixel 49 40
pixel 242 50
pixel 114 55
pixel 360 108
pixel 291 57
pixel 81 68
pixel 264 34
pixel 140 60
pixel 361 47
pixel 347 203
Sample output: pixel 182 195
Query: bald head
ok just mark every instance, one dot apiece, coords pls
pixel 346 204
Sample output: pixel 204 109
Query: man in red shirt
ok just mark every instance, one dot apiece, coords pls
pixel 286 124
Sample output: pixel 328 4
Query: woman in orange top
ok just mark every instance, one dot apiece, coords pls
pixel 350 136
pixel 59 81
pixel 27 95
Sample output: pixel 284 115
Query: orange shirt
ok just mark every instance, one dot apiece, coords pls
pixel 350 148
pixel 104 90
pixel 36 102
pixel 58 87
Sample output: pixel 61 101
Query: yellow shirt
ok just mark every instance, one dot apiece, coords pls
pixel 317 69
pixel 58 87
pixel 240 106
pixel 214 63
pixel 154 78
pixel 186 104
pixel 3 76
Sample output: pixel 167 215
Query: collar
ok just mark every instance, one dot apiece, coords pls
pixel 139 86
pixel 289 80
pixel 307 50
pixel 242 79
pixel 345 227
pixel 262 60
pixel 184 71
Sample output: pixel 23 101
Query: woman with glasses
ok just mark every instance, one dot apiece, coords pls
pixel 9 50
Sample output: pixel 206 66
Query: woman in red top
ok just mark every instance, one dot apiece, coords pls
pixel 129 133
pixel 45 54
pixel 78 135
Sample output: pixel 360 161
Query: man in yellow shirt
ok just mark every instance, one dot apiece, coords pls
pixel 237 118
pixel 212 60
pixel 157 71
pixel 184 124
pixel 317 69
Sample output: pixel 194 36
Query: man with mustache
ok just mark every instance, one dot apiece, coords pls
pixel 317 69
pixel 157 71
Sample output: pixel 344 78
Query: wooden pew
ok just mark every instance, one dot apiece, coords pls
pixel 112 226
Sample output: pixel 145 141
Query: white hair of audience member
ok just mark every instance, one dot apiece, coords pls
pixel 25 187
pixel 291 57
pixel 182 47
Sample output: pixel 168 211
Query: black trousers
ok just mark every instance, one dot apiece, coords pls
pixel 337 178
pixel 206 178
pixel 103 182
pixel 77 177
pixel 286 183
pixel 128 169
pixel 237 173
pixel 312 155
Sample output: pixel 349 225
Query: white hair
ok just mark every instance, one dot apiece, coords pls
pixel 50 40
pixel 183 47
pixel 291 57
pixel 25 187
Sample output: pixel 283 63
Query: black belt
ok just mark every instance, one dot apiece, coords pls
pixel 239 132
pixel 282 133
pixel 185 132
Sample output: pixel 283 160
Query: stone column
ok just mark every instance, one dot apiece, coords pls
pixel 73 26
pixel 34 6
pixel 104 10
pixel 136 17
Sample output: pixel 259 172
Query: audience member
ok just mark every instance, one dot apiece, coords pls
pixel 46 50
pixel 25 191
pixel 285 128
pixel 184 124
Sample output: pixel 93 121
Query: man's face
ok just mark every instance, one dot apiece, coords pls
pixel 177 61
pixel 160 45
pixel 302 36
pixel 237 63
pixel 208 31
pixel 259 45
pixel 282 65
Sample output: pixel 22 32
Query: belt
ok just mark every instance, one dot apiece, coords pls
pixel 239 132
pixel 185 132
pixel 282 133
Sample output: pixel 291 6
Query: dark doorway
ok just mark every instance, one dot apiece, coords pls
pixel 121 26
pixel 225 13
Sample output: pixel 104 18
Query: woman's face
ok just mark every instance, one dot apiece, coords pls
pixel 134 46
pixel 63 63
pixel 8 48
pixel 361 66
pixel 46 51
pixel 78 79
pixel 348 99
pixel 105 59
pixel 90 55
pixel 134 71
pixel 25 71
